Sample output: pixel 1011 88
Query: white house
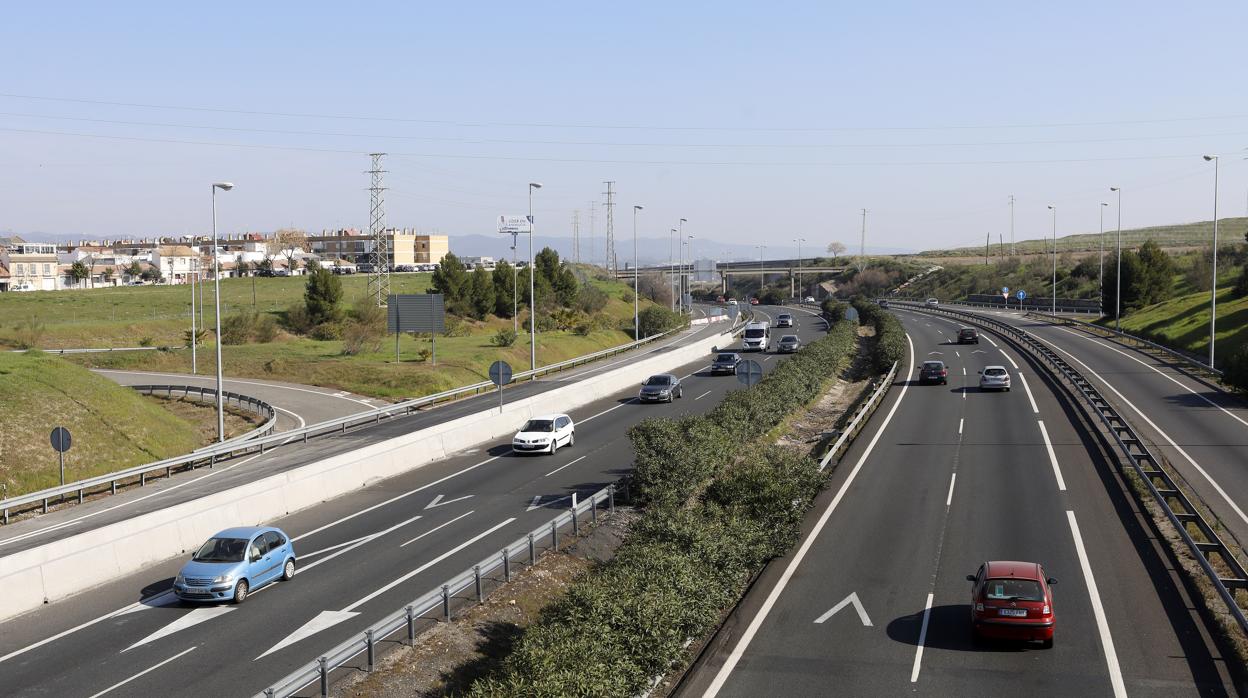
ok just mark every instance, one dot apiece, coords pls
pixel 177 263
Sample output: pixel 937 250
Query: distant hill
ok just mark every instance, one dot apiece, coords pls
pixel 1230 230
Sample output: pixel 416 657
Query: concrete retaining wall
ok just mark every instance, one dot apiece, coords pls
pixel 61 568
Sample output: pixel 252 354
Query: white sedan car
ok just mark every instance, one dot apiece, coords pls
pixel 544 434
pixel 994 378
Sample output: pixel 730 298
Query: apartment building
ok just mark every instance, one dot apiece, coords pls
pixel 32 266
pixel 405 246
pixel 176 263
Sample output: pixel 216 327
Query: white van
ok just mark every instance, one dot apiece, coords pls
pixel 756 337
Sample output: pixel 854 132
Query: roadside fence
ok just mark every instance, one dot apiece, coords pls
pixel 1154 348
pixel 206 394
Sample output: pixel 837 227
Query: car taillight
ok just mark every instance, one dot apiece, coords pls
pixel 1045 611
pixel 979 607
pixel 943 372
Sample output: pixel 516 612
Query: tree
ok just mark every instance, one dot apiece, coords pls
pixel 264 267
pixel 557 275
pixel 288 242
pixel 504 289
pixel 322 295
pixel 836 249
pixel 451 280
pixel 134 270
pixel 78 271
pixel 107 274
pixel 1156 281
pixel 242 268
pixel 482 293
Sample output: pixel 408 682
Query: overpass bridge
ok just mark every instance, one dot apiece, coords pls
pixel 792 268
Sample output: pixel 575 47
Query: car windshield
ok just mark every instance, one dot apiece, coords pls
pixel 754 333
pixel 1011 589
pixel 968 332
pixel 932 365
pixel 538 425
pixel 786 317
pixel 726 357
pixel 658 380
pixel 222 550
pixel 789 338
pixel 994 372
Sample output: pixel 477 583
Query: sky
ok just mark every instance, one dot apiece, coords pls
pixel 759 123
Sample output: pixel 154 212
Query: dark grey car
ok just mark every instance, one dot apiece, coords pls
pixel 725 362
pixel 661 387
pixel 788 344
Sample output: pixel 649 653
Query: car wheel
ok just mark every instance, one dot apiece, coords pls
pixel 240 591
pixel 572 438
pixel 288 571
pixel 554 446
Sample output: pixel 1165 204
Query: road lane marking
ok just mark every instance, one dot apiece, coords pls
pixel 437 501
pixel 119 684
pixel 949 499
pixel 1030 398
pixel 957 353
pixel 853 600
pixel 960 425
pixel 538 504
pixel 1048 445
pixel 702 395
pixel 191 619
pixel 752 629
pixel 990 341
pixel 437 528
pixel 964 370
pixel 352 545
pixel 696 371
pixel 769 357
pixel 578 460
pixel 918 652
pixel 1007 358
pixel 323 621
pixel 427 565
pixel 1102 625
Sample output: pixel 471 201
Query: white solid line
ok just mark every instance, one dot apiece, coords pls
pixel 438 527
pixel 578 460
pixel 696 371
pixel 1226 497
pixel 1107 641
pixel 769 357
pixel 121 611
pixel 145 671
pixel 702 395
pixel 737 652
pixel 918 652
pixel 964 370
pixel 1030 397
pixel 949 499
pixel 1007 358
pixel 426 566
pixel 960 419
pixel 394 499
pixel 990 341
pixel 1048 445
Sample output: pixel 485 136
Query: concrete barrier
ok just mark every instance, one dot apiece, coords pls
pixel 65 567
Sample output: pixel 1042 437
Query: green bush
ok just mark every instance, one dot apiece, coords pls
pixel 656 319
pixel 1235 370
pixel 327 331
pixel 504 337
pixel 322 296
pixel 1241 284
pixel 297 319
pixel 248 326
pixel 890 337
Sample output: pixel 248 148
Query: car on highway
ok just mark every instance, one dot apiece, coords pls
pixel 235 563
pixel 933 372
pixel 784 320
pixel 883 304
pixel 788 344
pixel 809 299
pixel 725 362
pixel 753 301
pixel 756 337
pixel 661 387
pixel 994 378
pixel 1012 600
pixel 544 434
pixel 732 301
pixel 933 301
pixel 968 335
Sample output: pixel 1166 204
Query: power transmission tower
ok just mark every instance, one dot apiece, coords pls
pixel 576 236
pixel 379 277
pixel 611 266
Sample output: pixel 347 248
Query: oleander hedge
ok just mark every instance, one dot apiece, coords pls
pixel 890 336
pixel 718 505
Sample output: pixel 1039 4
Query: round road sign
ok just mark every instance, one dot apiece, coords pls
pixel 749 372
pixel 1022 295
pixel 500 373
pixel 61 440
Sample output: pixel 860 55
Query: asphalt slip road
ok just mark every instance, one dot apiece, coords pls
pixel 362 556
pixel 186 486
pixel 944 478
pixel 1201 431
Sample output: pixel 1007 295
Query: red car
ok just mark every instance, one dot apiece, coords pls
pixel 753 301
pixel 1012 601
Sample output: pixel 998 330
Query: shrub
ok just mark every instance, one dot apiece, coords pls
pixel 890 337
pixel 1241 284
pixel 297 319
pixel 1235 370
pixel 240 328
pixel 591 299
pixel 265 330
pixel 362 337
pixel 657 319
pixel 322 296
pixel 29 333
pixel 424 354
pixel 146 342
pixel 456 327
pixel 504 337
pixel 327 331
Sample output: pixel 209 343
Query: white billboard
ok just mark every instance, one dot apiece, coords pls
pixel 515 225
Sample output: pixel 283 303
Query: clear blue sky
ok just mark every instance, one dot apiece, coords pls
pixel 754 121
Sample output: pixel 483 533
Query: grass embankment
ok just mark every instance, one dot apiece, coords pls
pixel 1179 235
pixel 112 426
pixel 957 281
pixel 162 314
pixel 1183 323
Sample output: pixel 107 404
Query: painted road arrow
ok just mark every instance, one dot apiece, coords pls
pixel 851 599
pixel 322 621
pixel 437 501
pixel 538 504
pixel 193 618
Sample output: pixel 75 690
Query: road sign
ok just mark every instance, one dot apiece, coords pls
pixel 749 372
pixel 851 313
pixel 515 225
pixel 61 440
pixel 500 373
pixel 1022 295
pixel 1005 290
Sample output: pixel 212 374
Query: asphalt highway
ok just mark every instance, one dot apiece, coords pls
pixel 190 485
pixel 874 600
pixel 363 556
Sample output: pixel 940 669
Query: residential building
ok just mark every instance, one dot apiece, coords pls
pixel 474 262
pixel 430 249
pixel 405 246
pixel 176 263
pixel 32 266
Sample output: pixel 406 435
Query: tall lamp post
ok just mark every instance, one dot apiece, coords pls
pixel 194 332
pixel 1213 287
pixel 799 242
pixel 684 278
pixel 680 240
pixel 636 300
pixel 216 282
pixel 762 249
pixel 1100 267
pixel 1118 273
pixel 532 272
pixel 515 292
pixel 671 259
pixel 1054 210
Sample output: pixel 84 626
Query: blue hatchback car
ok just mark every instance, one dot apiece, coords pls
pixel 234 563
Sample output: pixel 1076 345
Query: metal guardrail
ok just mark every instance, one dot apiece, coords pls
pixel 860 417
pixel 222 452
pixel 997 306
pixel 1140 342
pixel 438 599
pixel 1140 459
pixel 241 401
pixel 62 352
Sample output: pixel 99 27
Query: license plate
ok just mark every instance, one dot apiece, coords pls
pixel 1015 612
pixel 198 590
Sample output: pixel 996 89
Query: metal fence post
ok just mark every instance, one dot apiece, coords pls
pixel 576 529
pixel 446 601
pixel 411 626
pixel 506 565
pixel 114 484
pixel 593 509
pixel 268 692
pixel 554 534
pixel 611 498
pixel 532 552
pixel 324 668
pixel 368 637
pixel 476 578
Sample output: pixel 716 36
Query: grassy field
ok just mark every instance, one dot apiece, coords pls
pixel 1183 323
pixel 113 427
pixel 1230 230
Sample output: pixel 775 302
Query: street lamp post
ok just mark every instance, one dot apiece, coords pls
pixel 762 249
pixel 1054 210
pixel 680 239
pixel 532 297
pixel 216 282
pixel 684 278
pixel 194 332
pixel 1213 287
pixel 1100 266
pixel 799 242
pixel 1118 274
pixel 636 300
pixel 671 260
pixel 515 291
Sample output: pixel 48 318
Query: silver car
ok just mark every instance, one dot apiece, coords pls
pixel 661 387
pixel 788 344
pixel 994 378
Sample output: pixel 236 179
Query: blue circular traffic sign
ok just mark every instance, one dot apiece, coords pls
pixel 1022 295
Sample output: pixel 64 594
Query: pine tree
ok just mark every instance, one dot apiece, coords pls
pixel 322 295
pixel 482 293
pixel 504 288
